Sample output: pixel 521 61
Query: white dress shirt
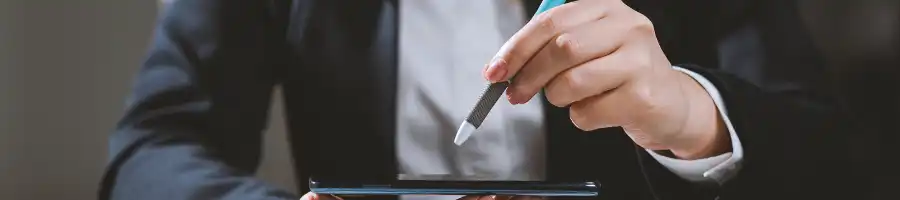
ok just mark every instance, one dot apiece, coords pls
pixel 444 46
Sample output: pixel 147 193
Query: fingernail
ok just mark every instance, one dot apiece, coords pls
pixel 496 70
pixel 509 96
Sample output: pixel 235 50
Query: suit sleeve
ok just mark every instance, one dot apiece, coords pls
pixel 192 129
pixel 795 147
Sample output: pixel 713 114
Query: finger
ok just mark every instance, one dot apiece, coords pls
pixel 490 197
pixel 477 197
pixel 504 197
pixel 589 79
pixel 537 32
pixel 601 111
pixel 309 196
pixel 585 43
pixel 314 196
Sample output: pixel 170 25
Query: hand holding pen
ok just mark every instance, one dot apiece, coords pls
pixel 314 196
pixel 601 59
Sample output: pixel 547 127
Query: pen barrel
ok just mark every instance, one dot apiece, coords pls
pixel 486 102
pixel 547 5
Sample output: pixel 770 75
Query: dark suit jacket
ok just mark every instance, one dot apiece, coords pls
pixel 193 125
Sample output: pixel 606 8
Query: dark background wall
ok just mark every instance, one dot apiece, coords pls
pixel 62 91
pixel 10 92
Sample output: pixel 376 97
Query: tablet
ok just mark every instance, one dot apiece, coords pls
pixel 454 187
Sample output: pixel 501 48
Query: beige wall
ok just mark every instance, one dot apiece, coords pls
pixel 81 56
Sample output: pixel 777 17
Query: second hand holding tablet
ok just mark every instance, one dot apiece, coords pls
pixel 491 94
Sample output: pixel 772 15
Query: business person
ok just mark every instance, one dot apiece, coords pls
pixel 375 88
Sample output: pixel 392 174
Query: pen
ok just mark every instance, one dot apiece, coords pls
pixel 492 93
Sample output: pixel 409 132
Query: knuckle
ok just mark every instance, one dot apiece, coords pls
pixel 570 80
pixel 641 24
pixel 644 99
pixel 566 45
pixel 546 20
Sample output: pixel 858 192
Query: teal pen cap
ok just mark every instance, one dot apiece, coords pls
pixel 492 93
pixel 547 5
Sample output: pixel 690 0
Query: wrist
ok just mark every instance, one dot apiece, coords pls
pixel 704 133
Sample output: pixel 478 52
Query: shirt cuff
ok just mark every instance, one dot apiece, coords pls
pixel 718 169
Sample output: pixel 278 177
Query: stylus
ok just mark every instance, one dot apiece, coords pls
pixel 491 94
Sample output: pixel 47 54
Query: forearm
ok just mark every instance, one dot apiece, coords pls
pixel 156 165
pixel 187 134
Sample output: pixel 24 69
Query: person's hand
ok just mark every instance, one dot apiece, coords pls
pixel 602 60
pixel 314 196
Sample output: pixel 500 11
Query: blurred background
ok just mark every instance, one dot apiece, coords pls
pixel 66 67
pixel 62 91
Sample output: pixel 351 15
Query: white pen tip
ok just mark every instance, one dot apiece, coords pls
pixel 465 130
